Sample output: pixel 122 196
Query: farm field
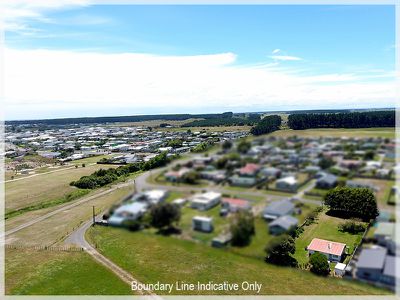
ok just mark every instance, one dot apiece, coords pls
pixel 54 229
pixel 326 228
pixel 42 188
pixel 339 132
pixel 44 272
pixel 146 259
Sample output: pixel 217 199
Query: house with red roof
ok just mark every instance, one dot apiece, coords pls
pixel 332 250
pixel 235 204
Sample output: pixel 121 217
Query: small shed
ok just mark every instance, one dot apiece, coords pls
pixel 340 269
pixel 203 224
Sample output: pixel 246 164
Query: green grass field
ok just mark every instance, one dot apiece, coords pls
pixel 384 132
pixel 153 258
pixel 326 228
pixel 42 188
pixel 39 272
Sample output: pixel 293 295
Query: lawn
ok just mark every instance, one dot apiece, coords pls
pixel 54 229
pixel 384 132
pixel 39 272
pixel 42 188
pixel 326 228
pixel 151 258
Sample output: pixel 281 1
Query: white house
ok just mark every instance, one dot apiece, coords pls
pixel 205 201
pixel 289 183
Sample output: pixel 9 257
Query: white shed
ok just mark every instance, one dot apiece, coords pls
pixel 340 269
pixel 201 223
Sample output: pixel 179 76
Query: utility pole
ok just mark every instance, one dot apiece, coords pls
pixel 94 217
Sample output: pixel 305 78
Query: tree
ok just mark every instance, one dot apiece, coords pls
pixel 352 202
pixel 191 177
pixel 242 228
pixel 279 251
pixel 244 146
pixel 164 215
pixel 369 155
pixel 226 145
pixel 267 125
pixel 319 264
pixel 326 163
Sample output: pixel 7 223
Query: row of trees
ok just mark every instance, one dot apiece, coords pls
pixel 343 120
pixel 267 125
pixel 103 177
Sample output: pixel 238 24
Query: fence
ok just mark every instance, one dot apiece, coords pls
pixel 47 248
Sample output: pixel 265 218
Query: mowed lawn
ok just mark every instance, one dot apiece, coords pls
pixel 384 132
pixel 39 272
pixel 326 228
pixel 151 258
pixel 42 188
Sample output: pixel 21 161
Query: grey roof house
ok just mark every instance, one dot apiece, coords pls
pixel 283 224
pixel 278 209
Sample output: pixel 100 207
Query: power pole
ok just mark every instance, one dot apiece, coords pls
pixel 94 217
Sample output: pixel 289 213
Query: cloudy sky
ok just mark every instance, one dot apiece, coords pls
pixel 75 58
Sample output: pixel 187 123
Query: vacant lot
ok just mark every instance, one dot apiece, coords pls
pixel 39 272
pixel 339 132
pixel 326 228
pixel 57 227
pixel 42 188
pixel 152 258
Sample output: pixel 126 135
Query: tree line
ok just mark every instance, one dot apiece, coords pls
pixel 343 120
pixel 267 125
pixel 103 177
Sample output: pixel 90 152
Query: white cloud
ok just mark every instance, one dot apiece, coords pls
pixel 285 57
pixel 276 51
pixel 17 13
pixel 49 83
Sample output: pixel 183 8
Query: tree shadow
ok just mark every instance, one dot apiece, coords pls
pixel 169 231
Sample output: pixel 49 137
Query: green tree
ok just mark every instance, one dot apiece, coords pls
pixel 369 155
pixel 244 146
pixel 352 202
pixel 164 215
pixel 242 228
pixel 279 251
pixel 319 264
pixel 191 177
pixel 326 163
pixel 226 145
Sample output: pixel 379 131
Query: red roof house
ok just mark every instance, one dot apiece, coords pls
pixel 334 251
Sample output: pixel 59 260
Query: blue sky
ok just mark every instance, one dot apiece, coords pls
pixel 307 49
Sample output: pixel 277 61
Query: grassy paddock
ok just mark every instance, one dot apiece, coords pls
pixel 385 132
pixel 40 272
pixel 151 258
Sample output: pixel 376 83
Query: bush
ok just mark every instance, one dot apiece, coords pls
pixel 279 251
pixel 352 227
pixel 319 264
pixel 164 215
pixel 242 228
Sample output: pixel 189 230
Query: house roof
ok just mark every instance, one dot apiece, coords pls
pixel 340 266
pixel 285 222
pixel 373 258
pixel 390 266
pixel 236 202
pixel 328 178
pixel 288 180
pixel 280 208
pixel 325 246
pixel 249 169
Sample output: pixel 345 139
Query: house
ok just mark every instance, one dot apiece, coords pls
pixel 175 176
pixel 271 172
pixel 371 263
pixel 360 184
pixel 132 211
pixel 327 181
pixel 249 170
pixel 205 201
pixel 289 184
pixel 385 235
pixel 204 224
pixel 340 269
pixel 247 175
pixel 389 271
pixel 278 209
pixel 180 202
pixel 282 224
pixel 215 175
pixel 150 197
pixel 332 250
pixel 235 204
